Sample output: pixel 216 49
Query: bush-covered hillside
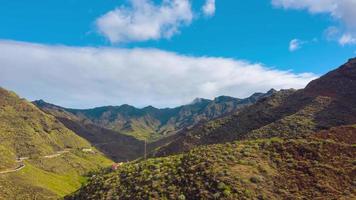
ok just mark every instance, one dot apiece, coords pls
pixel 326 102
pixel 316 167
pixel 48 157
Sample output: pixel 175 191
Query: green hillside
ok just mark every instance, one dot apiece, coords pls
pixel 315 167
pixel 291 145
pixel 326 102
pixel 52 158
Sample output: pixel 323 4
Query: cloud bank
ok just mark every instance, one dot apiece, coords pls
pixel 88 77
pixel 342 10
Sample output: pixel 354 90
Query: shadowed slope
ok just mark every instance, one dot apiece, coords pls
pixel 117 146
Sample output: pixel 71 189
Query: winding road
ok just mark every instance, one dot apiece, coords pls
pixel 23 165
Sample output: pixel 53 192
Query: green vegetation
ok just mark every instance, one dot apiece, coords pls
pixel 53 163
pixel 236 126
pixel 255 169
pixel 151 123
pixel 301 122
pixel 325 103
pixel 291 145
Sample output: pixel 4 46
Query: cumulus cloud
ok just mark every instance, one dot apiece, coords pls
pixel 144 20
pixel 209 8
pixel 295 44
pixel 87 77
pixel 342 10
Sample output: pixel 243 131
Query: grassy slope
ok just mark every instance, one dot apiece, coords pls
pixel 317 167
pixel 25 131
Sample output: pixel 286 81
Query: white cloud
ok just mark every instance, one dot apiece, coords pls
pixel 342 10
pixel 295 44
pixel 209 8
pixel 88 77
pixel 347 39
pixel 144 20
pixel 345 10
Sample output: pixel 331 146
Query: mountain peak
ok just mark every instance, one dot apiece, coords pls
pixel 149 108
pixel 199 100
pixel 340 82
pixel 40 102
pixel 352 60
pixel 43 104
pixel 224 99
pixel 271 91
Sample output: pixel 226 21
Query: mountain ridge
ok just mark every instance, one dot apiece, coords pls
pixel 294 144
pixel 150 123
pixel 288 112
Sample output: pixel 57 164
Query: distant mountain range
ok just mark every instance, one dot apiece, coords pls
pixel 152 123
pixel 119 131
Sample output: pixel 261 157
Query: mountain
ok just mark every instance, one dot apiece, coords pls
pixel 326 102
pixel 151 123
pixel 319 166
pixel 40 157
pixel 119 147
pixel 294 144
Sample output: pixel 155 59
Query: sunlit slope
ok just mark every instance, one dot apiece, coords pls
pixel 316 167
pixel 52 158
pixel 326 102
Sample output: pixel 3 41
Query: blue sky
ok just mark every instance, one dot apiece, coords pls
pixel 255 31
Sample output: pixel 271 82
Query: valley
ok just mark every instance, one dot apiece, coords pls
pixel 115 129
pixel 287 144
pixel 294 144
pixel 178 100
